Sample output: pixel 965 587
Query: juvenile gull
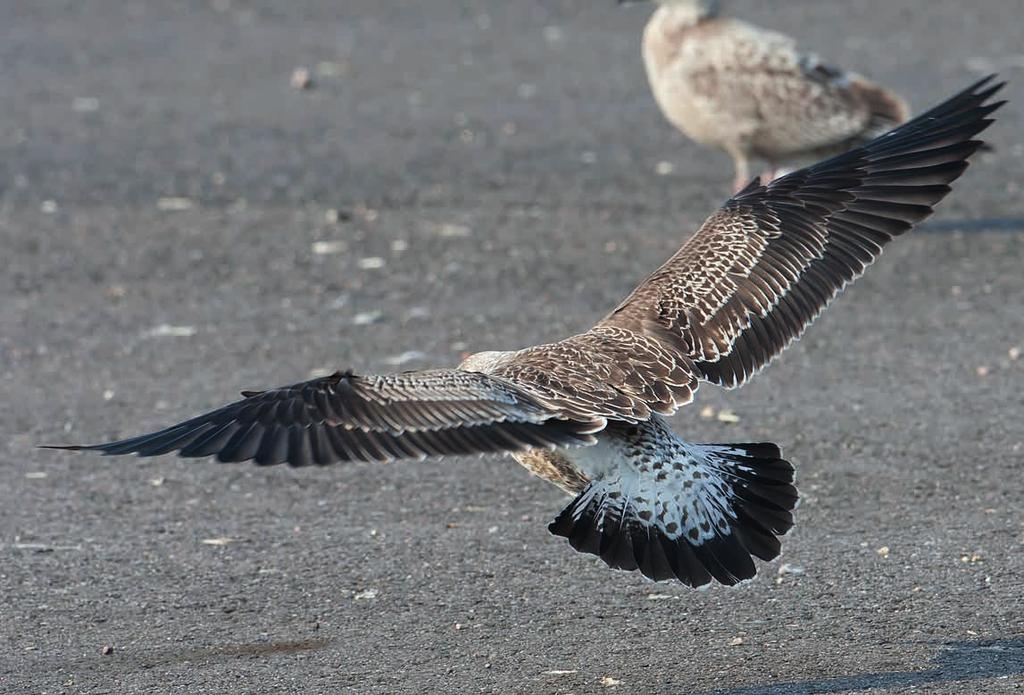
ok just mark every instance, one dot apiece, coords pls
pixel 751 92
pixel 587 413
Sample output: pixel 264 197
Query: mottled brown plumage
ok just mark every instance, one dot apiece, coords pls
pixel 750 92
pixel 586 412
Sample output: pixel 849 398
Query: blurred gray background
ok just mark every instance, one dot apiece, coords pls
pixel 178 222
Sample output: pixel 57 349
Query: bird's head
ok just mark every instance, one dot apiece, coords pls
pixel 696 10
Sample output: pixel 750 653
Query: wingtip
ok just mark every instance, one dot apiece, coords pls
pixel 986 83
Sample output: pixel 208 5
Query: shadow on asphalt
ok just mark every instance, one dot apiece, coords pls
pixel 983 224
pixel 129 660
pixel 958 661
pixel 259 649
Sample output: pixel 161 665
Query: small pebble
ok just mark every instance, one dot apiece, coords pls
pixel 324 248
pixel 786 568
pixel 301 79
pixel 115 292
pixel 453 230
pixel 174 204
pixel 165 330
pixel 366 318
pixel 728 416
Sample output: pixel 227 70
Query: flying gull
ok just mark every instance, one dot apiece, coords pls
pixel 587 413
pixel 751 92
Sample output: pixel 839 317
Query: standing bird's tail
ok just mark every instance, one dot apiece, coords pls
pixel 886 107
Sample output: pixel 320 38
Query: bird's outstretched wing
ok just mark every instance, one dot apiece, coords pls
pixel 765 265
pixel 735 295
pixel 344 417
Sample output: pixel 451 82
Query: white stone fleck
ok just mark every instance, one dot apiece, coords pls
pixel 166 330
pixel 174 204
pixel 366 318
pixel 323 248
pixel 371 263
pixel 451 230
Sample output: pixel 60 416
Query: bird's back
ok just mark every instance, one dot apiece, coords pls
pixel 727 83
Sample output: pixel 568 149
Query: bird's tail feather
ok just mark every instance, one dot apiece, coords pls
pixel 716 507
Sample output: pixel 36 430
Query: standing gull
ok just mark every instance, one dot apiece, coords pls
pixel 751 92
pixel 587 413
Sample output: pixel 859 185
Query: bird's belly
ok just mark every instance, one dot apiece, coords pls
pixel 694 115
pixel 556 467
pixel 571 469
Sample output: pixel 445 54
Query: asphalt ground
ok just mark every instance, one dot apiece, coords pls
pixel 178 223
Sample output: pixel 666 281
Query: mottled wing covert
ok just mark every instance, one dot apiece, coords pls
pixel 765 265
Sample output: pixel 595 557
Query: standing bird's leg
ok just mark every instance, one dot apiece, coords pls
pixel 771 173
pixel 740 164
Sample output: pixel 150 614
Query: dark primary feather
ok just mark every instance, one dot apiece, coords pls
pixel 344 417
pixel 764 266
